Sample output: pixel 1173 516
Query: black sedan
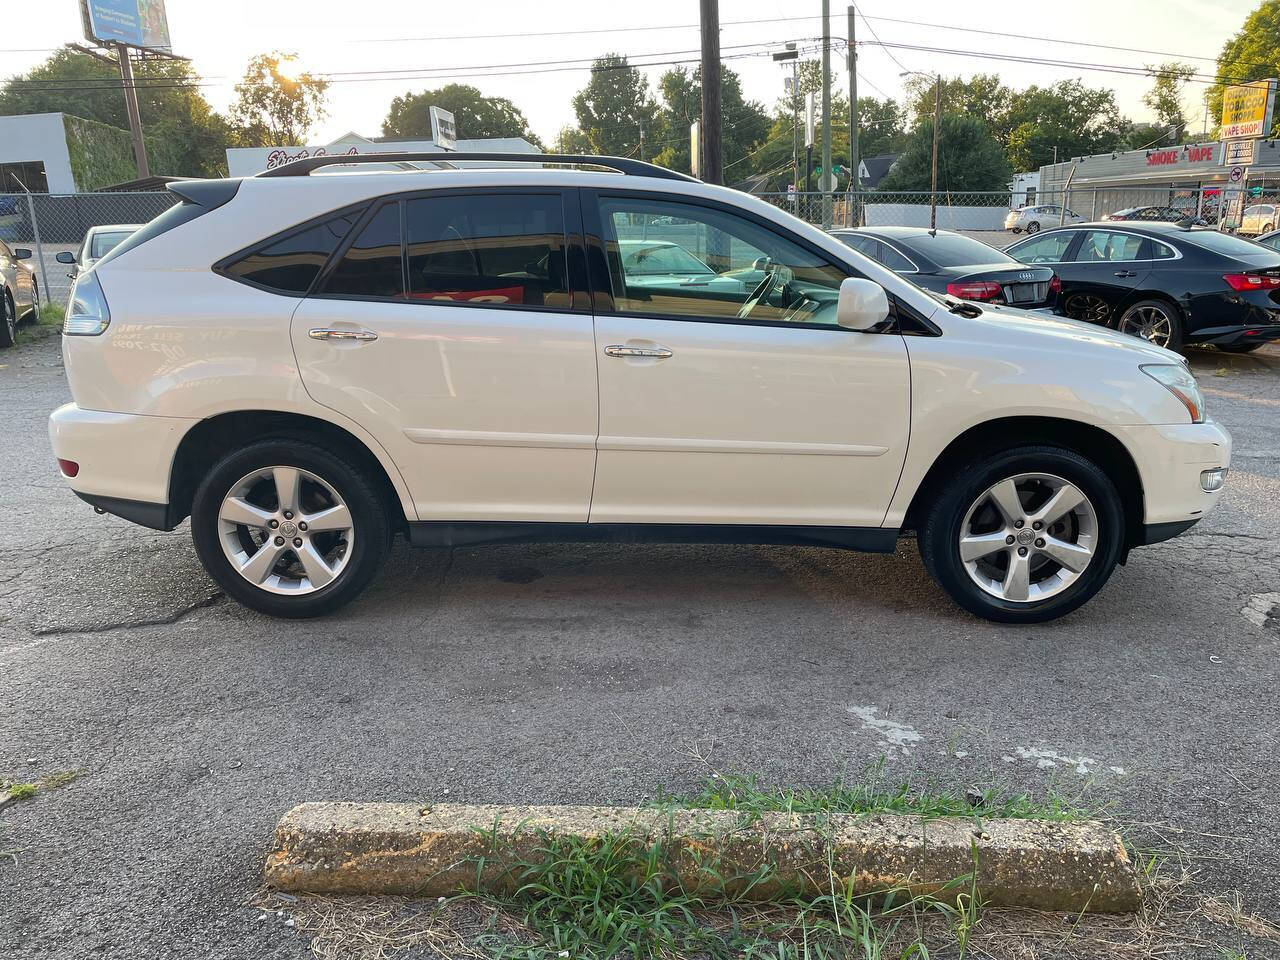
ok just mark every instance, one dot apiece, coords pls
pixel 951 263
pixel 1169 284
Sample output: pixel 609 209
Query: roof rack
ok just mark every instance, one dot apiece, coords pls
pixel 623 165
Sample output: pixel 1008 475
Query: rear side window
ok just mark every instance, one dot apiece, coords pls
pixel 372 265
pixel 291 264
pixel 498 250
pixel 1160 251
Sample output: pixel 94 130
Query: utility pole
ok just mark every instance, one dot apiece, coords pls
pixel 937 112
pixel 826 116
pixel 793 90
pixel 712 152
pixel 642 153
pixel 855 182
pixel 131 106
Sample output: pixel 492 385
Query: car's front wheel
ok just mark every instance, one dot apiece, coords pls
pixel 289 528
pixel 1033 227
pixel 1025 535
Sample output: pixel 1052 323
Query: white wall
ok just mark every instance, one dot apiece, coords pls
pixel 38 137
pixel 949 218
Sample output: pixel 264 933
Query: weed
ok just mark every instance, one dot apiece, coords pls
pixel 21 791
pixel 52 314
pixel 870 796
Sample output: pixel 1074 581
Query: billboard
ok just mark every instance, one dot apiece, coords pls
pixel 1246 110
pixel 137 23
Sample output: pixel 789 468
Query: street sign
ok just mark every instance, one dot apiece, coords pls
pixel 827 182
pixel 1236 175
pixel 1239 152
pixel 444 132
pixel 1232 207
pixel 695 148
pixel 1247 109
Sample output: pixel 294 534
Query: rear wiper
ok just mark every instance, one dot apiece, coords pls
pixel 962 307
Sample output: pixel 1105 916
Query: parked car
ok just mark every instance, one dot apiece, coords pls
pixel 19 292
pixel 464 356
pixel 1271 239
pixel 954 264
pixel 1167 284
pixel 1035 219
pixel 1161 214
pixel 97 243
pixel 1258 218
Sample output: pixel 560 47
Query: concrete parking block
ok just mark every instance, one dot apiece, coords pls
pixel 440 849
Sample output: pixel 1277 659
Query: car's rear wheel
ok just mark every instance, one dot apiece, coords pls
pixel 1024 536
pixel 1155 321
pixel 8 321
pixel 1033 226
pixel 34 313
pixel 1016 229
pixel 289 529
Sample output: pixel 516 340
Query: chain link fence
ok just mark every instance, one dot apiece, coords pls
pixel 49 224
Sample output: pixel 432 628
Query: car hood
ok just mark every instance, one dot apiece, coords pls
pixel 1040 328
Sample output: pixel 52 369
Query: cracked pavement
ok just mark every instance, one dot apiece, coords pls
pixel 593 674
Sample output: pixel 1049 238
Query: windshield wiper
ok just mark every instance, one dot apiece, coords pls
pixel 963 307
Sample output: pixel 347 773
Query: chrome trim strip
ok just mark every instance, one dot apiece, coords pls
pixel 492 438
pixel 699 445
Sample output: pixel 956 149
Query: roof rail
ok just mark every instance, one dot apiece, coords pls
pixel 623 165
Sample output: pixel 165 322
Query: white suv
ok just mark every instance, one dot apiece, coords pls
pixel 309 363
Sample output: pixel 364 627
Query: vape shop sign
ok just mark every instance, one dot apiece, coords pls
pixel 1180 157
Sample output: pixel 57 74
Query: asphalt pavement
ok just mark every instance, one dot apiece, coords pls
pixel 587 674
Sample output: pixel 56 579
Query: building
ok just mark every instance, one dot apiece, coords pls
pixel 60 153
pixel 247 161
pixel 871 170
pixel 1023 189
pixel 1188 176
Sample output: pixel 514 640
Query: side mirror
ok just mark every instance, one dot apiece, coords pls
pixel 65 256
pixel 862 304
pixel 22 253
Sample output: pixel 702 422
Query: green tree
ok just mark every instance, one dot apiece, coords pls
pixel 190 138
pixel 275 104
pixel 1252 54
pixel 969 158
pixel 982 96
pixel 1168 81
pixel 881 127
pixel 745 123
pixel 476 116
pixel 1076 119
pixel 614 106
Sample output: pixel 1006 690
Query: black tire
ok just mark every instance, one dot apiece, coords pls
pixel 1033 226
pixel 939 535
pixel 1016 229
pixel 34 313
pixel 370 525
pixel 8 321
pixel 1242 347
pixel 1171 311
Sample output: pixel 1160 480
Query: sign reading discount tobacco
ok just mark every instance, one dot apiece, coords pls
pixel 1247 109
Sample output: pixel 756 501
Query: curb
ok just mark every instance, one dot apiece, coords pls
pixel 438 850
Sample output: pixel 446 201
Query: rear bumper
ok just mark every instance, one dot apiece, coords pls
pixel 1232 335
pixel 123 459
pixel 1170 460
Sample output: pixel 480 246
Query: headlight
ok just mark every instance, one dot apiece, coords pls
pixel 1178 380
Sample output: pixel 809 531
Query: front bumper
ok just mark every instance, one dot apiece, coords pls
pixel 122 458
pixel 1170 460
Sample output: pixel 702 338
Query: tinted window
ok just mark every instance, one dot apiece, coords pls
pixel 1046 248
pixel 1160 251
pixel 756 273
pixel 288 265
pixel 1223 243
pixel 953 250
pixel 894 260
pixel 1105 246
pixel 501 250
pixel 864 245
pixel 372 265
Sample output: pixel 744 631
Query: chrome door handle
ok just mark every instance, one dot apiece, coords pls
pixel 618 350
pixel 1126 273
pixel 327 333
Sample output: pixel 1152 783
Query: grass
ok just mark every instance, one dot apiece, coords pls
pixel 21 791
pixel 52 314
pixel 872 796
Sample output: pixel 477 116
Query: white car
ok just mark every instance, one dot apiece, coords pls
pixel 1258 218
pixel 98 242
pixel 310 363
pixel 1033 219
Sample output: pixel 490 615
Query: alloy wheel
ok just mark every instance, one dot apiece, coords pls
pixel 1028 537
pixel 1084 306
pixel 10 317
pixel 286 530
pixel 1151 323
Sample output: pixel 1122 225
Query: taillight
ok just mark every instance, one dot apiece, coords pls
pixel 69 468
pixel 87 313
pixel 1055 284
pixel 975 290
pixel 1251 281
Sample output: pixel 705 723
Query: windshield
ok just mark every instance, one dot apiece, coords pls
pixel 1225 243
pixel 663 260
pixel 104 243
pixel 953 250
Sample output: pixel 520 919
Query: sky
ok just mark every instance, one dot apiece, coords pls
pixel 475 41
